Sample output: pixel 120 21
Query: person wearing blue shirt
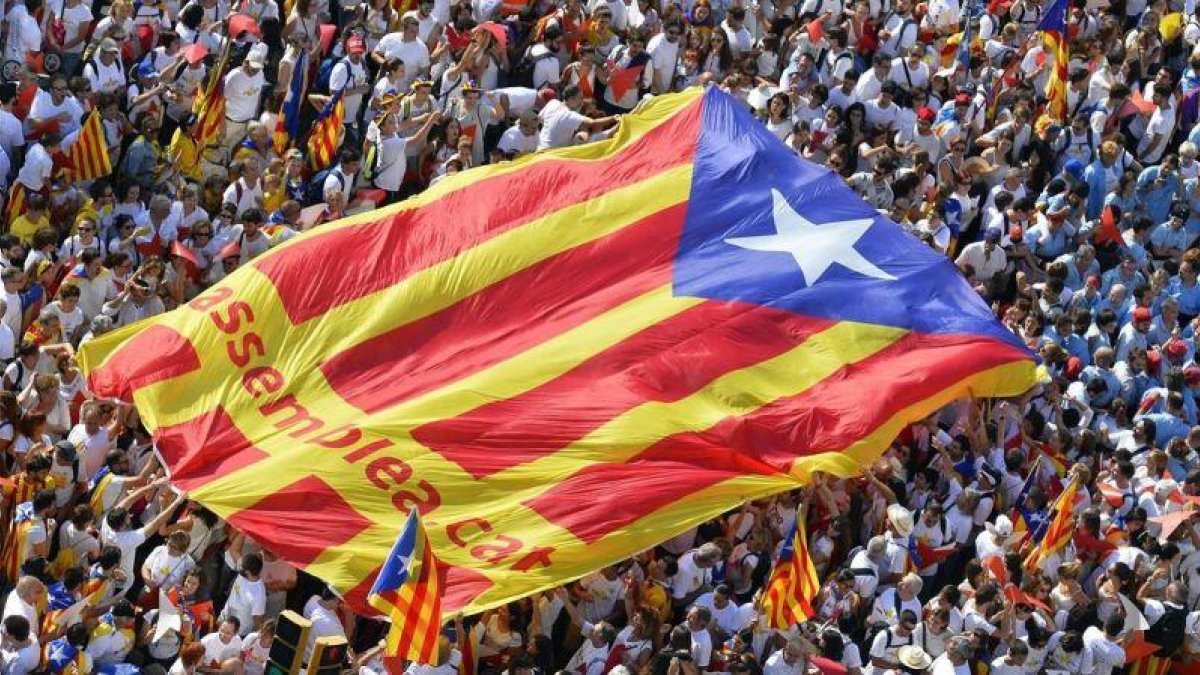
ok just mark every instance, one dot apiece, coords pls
pixel 1191 197
pixel 1169 240
pixel 1102 370
pixel 1185 290
pixel 1080 265
pixel 1165 323
pixel 1087 298
pixel 1157 187
pixel 1126 274
pixel 1061 334
pixel 1133 334
pixel 1169 424
pixel 1134 377
pixel 1049 238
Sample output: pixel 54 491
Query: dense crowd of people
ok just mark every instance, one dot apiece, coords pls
pixel 1080 232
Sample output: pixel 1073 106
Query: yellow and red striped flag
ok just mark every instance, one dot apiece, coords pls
pixel 326 135
pixel 209 106
pixel 408 591
pixel 788 595
pixel 88 155
pixel 559 361
pixel 1054 38
pixel 1059 531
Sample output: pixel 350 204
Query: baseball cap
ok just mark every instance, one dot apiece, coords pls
pixel 1191 375
pixel 1177 350
pixel 1074 167
pixel 1141 314
pixel 109 45
pixel 146 69
pixel 992 234
pixel 926 114
pixel 546 95
pixel 1016 233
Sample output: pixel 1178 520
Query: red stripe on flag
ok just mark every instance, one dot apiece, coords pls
pixel 273 519
pixel 205 448
pixel 711 339
pixel 155 354
pixel 394 247
pixel 828 416
pixel 541 301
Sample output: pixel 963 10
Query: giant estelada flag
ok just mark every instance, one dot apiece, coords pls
pixel 561 361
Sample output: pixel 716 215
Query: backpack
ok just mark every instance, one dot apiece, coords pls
pixel 874 629
pixel 315 192
pixel 16 385
pixel 522 73
pixel 324 72
pixel 1168 631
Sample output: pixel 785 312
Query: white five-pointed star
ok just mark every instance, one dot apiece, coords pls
pixel 814 247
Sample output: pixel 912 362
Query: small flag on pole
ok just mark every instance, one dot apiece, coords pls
pixel 287 127
pixel 409 591
pixel 1054 36
pixel 326 135
pixel 788 597
pixel 88 155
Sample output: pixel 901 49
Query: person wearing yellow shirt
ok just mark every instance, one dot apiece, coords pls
pixel 185 152
pixel 35 218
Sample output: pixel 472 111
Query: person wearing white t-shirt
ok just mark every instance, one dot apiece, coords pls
pixel 698 620
pixel 94 436
pixel 391 151
pixel 600 594
pixel 39 163
pixel 56 105
pixel 1160 127
pixel 726 613
pixel 115 532
pixel 1012 663
pixel 256 648
pixel 224 646
pixel 243 89
pixel 105 72
pixel 248 596
pixel 664 56
pixel 349 76
pixel 521 138
pixel 786 661
pixel 168 564
pixel 561 120
pixel 1105 645
pixel 322 611
pixel 23 601
pixel 24 34
pixel 740 40
pixel 19 652
pixel 407 46
pixel 955 660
